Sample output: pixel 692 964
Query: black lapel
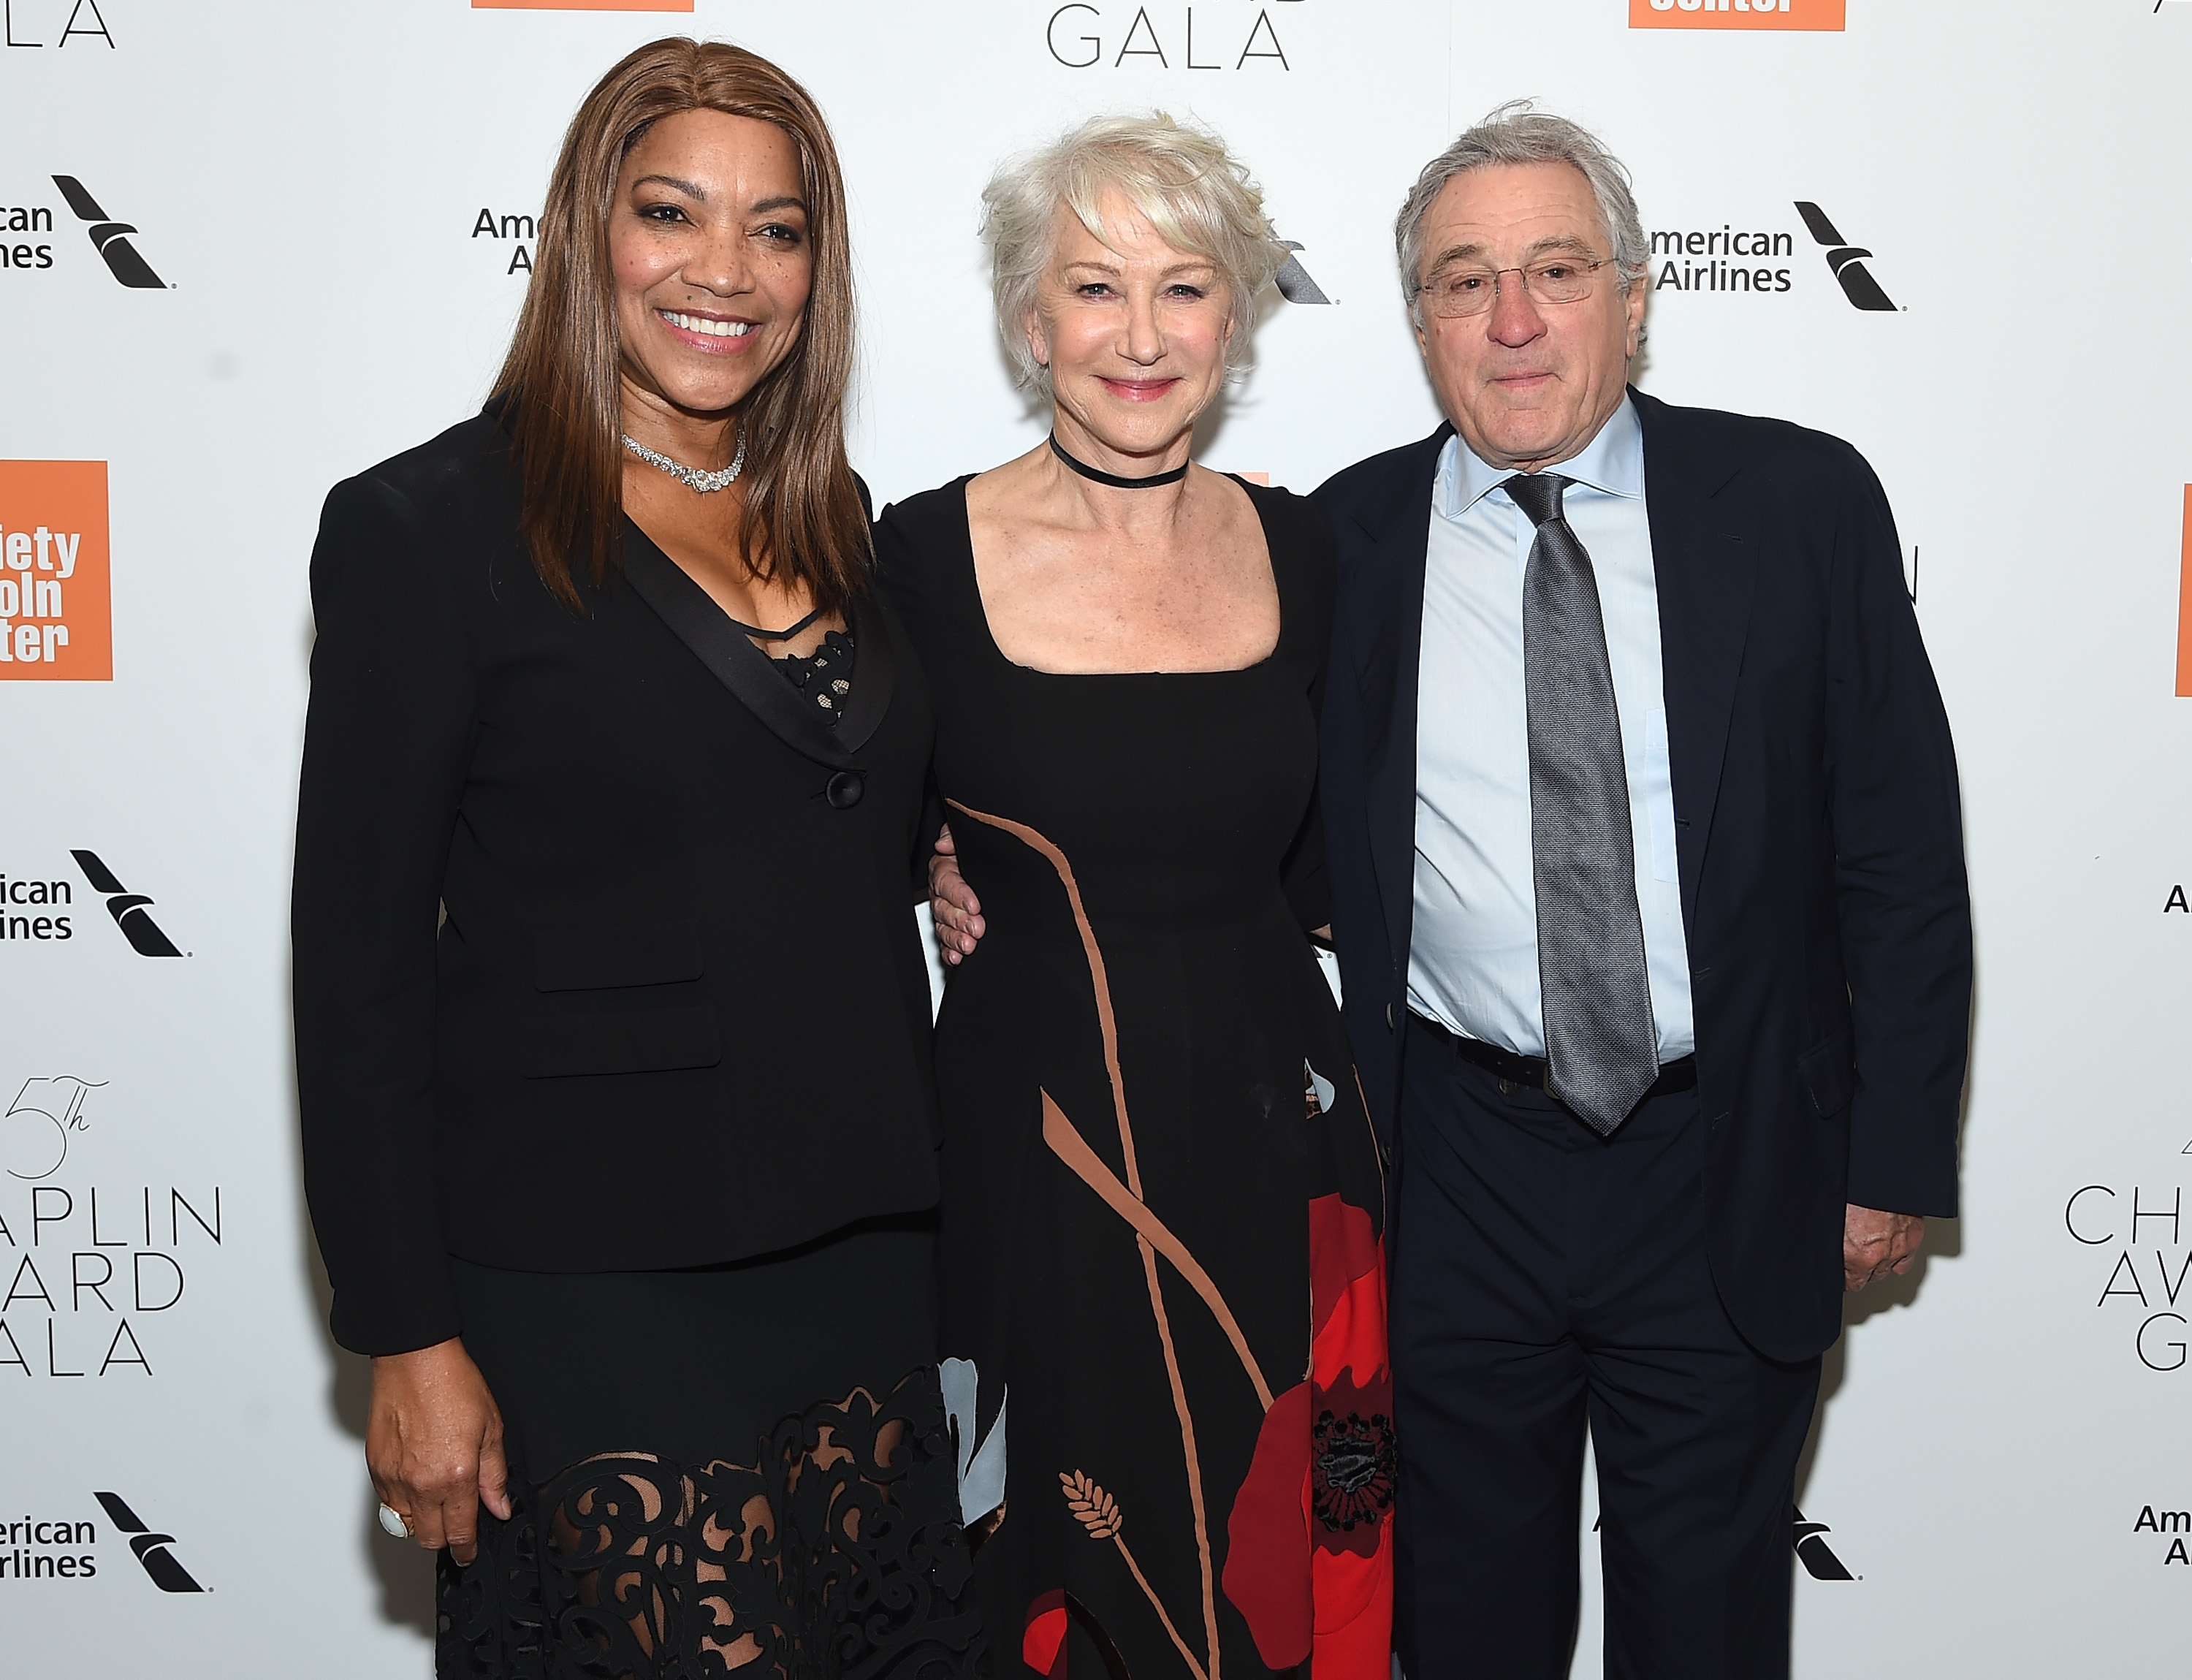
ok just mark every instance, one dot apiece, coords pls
pixel 874 671
pixel 1704 561
pixel 1395 515
pixel 695 619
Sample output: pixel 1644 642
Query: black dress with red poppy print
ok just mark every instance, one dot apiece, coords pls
pixel 1162 1269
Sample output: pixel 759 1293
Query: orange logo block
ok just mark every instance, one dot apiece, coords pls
pixel 1827 14
pixel 582 5
pixel 56 619
pixel 2184 607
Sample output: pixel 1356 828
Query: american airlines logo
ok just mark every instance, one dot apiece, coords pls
pixel 63 1549
pixel 1293 279
pixel 110 238
pixel 1845 261
pixel 127 909
pixel 1817 1556
pixel 1748 257
pixel 166 1570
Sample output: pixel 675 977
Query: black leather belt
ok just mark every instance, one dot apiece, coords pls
pixel 1674 1076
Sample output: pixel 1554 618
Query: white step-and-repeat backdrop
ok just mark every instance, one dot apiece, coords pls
pixel 248 247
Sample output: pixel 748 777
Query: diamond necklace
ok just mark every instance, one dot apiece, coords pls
pixel 692 477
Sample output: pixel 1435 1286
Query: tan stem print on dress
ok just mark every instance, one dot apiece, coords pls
pixel 1070 1147
pixel 1108 1023
pixel 1099 1514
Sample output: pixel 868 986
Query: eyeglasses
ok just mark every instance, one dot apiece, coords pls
pixel 1456 292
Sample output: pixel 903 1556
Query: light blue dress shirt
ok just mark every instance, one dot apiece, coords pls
pixel 1473 956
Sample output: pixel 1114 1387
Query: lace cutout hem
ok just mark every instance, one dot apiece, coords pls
pixel 838 1555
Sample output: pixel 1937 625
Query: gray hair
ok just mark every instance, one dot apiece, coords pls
pixel 1182 179
pixel 1517 134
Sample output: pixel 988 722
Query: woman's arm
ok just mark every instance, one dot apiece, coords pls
pixel 386 739
pixel 901 575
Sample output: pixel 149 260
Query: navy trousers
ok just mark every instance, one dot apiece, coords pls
pixel 1543 1276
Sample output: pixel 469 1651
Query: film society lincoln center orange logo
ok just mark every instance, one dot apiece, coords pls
pixel 2184 610
pixel 1825 14
pixel 582 5
pixel 55 622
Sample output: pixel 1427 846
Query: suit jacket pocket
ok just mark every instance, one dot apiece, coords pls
pixel 626 1040
pixel 1829 1076
pixel 585 959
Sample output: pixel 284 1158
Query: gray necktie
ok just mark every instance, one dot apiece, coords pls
pixel 1601 1048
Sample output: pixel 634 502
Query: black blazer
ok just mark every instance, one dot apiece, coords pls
pixel 1817 827
pixel 676 1011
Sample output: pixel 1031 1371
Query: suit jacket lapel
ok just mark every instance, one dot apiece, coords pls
pixel 1386 647
pixel 874 674
pixel 1704 559
pixel 694 618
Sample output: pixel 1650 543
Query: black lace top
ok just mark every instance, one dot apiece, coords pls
pixel 824 676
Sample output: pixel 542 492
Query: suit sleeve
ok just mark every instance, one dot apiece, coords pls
pixel 387 736
pixel 1905 906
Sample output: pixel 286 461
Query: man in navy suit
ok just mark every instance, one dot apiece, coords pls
pixel 1649 894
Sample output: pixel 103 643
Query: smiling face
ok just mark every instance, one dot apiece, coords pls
pixel 1134 334
pixel 708 243
pixel 1526 384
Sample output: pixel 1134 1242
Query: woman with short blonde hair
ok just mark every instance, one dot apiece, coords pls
pixel 1180 180
pixel 1162 1283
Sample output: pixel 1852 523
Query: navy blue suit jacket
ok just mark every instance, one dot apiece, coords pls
pixel 1817 825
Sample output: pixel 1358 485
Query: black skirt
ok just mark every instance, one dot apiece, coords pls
pixel 736 1469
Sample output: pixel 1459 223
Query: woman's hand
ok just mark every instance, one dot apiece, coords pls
pixel 433 1443
pixel 958 913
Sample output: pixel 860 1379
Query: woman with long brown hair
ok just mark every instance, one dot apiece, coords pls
pixel 624 1174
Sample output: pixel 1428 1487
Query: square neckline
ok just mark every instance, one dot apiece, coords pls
pixel 989 636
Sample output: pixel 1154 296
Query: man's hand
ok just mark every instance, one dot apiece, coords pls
pixel 1877 1245
pixel 433 1443
pixel 958 913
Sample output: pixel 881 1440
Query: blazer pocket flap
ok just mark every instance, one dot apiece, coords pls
pixel 585 959
pixel 630 1041
pixel 1829 1075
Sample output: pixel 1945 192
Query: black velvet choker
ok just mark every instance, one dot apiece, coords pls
pixel 1112 478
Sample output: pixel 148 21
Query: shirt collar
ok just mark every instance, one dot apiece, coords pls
pixel 1613 462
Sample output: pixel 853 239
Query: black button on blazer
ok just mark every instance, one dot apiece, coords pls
pixel 605 949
